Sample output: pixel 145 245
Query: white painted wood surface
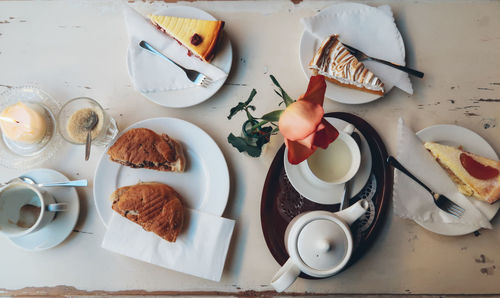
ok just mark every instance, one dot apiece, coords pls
pixel 78 48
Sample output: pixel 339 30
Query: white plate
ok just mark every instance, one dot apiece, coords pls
pixel 330 194
pixel 64 222
pixel 459 136
pixel 362 34
pixel 203 186
pixel 191 96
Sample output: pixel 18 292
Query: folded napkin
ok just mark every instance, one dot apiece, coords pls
pixel 200 249
pixel 150 73
pixel 412 201
pixel 369 29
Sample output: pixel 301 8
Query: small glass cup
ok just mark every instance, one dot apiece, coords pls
pixel 105 129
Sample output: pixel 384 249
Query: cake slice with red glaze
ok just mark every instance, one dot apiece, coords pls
pixel 475 175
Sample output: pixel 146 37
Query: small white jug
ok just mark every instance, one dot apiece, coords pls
pixel 319 243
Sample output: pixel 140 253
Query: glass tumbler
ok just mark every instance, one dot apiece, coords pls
pixel 71 122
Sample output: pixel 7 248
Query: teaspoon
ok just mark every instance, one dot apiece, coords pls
pixel 89 125
pixel 65 183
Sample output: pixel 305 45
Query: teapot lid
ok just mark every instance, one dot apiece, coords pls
pixel 322 244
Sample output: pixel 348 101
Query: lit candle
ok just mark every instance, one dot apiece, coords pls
pixel 25 124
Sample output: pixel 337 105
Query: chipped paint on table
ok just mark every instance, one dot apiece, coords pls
pixel 78 48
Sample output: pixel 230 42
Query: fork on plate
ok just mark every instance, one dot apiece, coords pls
pixel 440 200
pixel 362 56
pixel 194 76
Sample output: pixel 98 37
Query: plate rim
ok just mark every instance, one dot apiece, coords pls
pixel 227 183
pixel 174 93
pixel 455 229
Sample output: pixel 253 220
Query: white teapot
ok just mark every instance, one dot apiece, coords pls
pixel 319 243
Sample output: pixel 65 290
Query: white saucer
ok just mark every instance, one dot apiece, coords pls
pixel 330 194
pixel 195 95
pixel 454 135
pixel 64 222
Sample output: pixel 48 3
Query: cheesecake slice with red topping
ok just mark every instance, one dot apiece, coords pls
pixel 474 175
pixel 200 37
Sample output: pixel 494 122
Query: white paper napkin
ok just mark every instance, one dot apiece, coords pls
pixel 150 73
pixel 369 29
pixel 199 250
pixel 412 201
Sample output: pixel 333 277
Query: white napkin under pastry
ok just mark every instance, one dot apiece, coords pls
pixel 369 29
pixel 200 249
pixel 412 201
pixel 151 73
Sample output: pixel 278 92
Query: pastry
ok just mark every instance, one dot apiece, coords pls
pixel 155 206
pixel 474 175
pixel 199 36
pixel 339 66
pixel 143 148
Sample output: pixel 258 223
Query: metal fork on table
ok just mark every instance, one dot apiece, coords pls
pixel 362 56
pixel 441 201
pixel 194 76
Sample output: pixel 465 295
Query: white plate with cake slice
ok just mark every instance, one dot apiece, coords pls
pixel 186 97
pixel 453 135
pixel 369 29
pixel 204 185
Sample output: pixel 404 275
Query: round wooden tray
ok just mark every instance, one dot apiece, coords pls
pixel 280 202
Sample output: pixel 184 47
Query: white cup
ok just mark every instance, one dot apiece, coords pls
pixel 338 163
pixel 25 209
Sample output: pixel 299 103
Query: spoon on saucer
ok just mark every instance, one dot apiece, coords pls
pixel 28 180
pixel 344 203
pixel 91 122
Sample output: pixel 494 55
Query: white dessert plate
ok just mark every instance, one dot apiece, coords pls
pixel 23 156
pixel 203 186
pixel 191 96
pixel 459 136
pixel 61 227
pixel 329 194
pixel 358 26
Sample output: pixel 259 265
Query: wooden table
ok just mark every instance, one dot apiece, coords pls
pixel 78 48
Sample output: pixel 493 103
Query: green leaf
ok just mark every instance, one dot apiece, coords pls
pixel 273 116
pixel 251 96
pixel 243 105
pixel 286 98
pixel 242 146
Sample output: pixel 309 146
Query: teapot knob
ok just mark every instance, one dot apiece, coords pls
pixel 324 246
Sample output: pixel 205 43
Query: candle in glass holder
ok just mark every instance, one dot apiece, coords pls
pixel 29 125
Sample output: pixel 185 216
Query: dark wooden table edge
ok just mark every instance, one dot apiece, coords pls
pixel 62 291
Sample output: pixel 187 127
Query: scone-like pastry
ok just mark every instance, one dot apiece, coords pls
pixel 144 148
pixel 199 36
pixel 155 206
pixel 339 66
pixel 474 175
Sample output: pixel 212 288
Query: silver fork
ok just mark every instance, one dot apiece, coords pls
pixel 362 56
pixel 441 201
pixel 194 76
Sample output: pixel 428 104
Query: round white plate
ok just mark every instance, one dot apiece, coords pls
pixel 58 229
pixel 361 32
pixel 191 96
pixel 203 186
pixel 331 194
pixel 470 141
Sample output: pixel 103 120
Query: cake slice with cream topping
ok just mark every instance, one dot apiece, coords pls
pixel 339 66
